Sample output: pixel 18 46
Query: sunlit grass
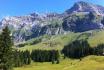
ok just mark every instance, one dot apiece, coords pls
pixel 88 63
pixel 97 38
pixel 57 42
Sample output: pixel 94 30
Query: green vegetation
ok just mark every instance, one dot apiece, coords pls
pixel 87 63
pixel 81 48
pixel 97 37
pixel 48 43
pixel 6 50
pixel 21 58
pixel 45 56
pixel 51 42
pixel 57 42
pixel 77 49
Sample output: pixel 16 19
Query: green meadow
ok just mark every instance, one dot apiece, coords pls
pixel 88 63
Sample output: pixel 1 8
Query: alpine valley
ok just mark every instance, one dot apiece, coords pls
pixel 72 40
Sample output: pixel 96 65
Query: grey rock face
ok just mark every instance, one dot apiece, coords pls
pixel 81 23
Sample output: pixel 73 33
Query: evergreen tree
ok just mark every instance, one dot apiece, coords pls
pixel 57 61
pixel 99 50
pixel 6 44
pixel 29 60
pixel 53 61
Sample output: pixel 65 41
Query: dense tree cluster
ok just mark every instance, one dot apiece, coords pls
pixel 25 57
pixel 77 49
pixel 99 50
pixel 45 56
pixel 21 58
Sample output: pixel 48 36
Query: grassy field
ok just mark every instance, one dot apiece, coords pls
pixel 87 63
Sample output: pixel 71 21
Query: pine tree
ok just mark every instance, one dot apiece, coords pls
pixel 29 60
pixel 53 61
pixel 28 57
pixel 57 61
pixel 5 50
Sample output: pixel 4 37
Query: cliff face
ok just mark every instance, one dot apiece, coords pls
pixel 80 23
pixel 81 17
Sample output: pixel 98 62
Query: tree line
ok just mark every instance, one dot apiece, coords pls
pixel 21 58
pixel 45 56
pixel 81 48
pixel 25 57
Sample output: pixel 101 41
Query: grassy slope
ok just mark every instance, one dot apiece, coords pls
pixel 88 63
pixel 58 41
pixel 96 38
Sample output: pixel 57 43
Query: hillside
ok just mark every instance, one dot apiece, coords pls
pixel 94 38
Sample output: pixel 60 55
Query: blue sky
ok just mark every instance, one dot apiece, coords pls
pixel 23 7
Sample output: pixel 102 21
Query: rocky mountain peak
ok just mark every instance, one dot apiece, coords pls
pixel 85 7
pixel 34 14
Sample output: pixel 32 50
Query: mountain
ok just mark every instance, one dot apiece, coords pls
pixel 82 22
pixel 33 25
pixel 86 7
pixel 81 17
